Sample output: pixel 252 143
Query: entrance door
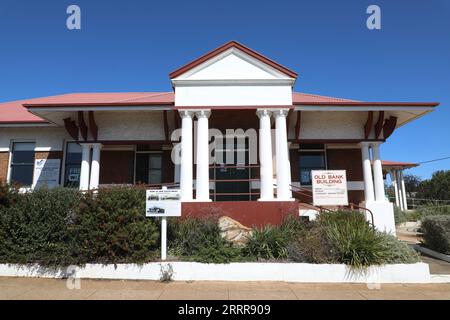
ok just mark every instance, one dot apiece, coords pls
pixel 232 179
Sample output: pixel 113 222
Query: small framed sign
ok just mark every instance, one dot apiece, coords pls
pixel 163 203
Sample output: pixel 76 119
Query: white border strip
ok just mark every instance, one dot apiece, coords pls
pixel 192 271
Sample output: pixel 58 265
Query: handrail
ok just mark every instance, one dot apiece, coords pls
pixel 351 206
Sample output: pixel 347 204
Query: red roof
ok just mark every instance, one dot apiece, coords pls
pixel 225 47
pixel 16 112
pixel 387 163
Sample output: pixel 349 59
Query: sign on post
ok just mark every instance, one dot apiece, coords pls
pixel 163 203
pixel 329 187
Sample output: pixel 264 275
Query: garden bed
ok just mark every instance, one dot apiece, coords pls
pixel 192 271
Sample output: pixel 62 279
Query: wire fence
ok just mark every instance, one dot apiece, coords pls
pixel 413 203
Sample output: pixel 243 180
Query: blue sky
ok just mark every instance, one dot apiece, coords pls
pixel 133 46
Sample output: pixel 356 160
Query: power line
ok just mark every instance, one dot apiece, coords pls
pixel 434 160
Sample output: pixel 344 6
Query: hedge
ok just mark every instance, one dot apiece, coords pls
pixel 436 233
pixel 61 227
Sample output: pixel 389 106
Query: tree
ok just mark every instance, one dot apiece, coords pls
pixel 436 188
pixel 412 183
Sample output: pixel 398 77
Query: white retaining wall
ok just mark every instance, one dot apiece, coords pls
pixel 184 271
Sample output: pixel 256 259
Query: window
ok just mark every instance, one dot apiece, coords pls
pixel 22 163
pixel 72 165
pixel 148 167
pixel 310 159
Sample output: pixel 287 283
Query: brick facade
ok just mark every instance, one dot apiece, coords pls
pixel 116 167
pixel 351 161
pixel 4 159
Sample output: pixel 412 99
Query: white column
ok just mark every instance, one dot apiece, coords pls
pixel 95 166
pixel 378 174
pixel 403 190
pixel 282 156
pixel 186 156
pixel 399 190
pixel 85 161
pixel 367 172
pixel 265 155
pixel 393 174
pixel 202 179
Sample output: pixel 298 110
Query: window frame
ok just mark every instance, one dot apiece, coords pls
pixel 161 153
pixel 10 160
pixel 306 151
pixel 64 163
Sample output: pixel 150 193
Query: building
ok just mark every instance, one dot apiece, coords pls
pixel 89 140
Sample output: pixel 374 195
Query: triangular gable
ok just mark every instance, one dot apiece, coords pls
pixel 232 61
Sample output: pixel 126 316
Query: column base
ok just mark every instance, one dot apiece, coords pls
pixel 383 215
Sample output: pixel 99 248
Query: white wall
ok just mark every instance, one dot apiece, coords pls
pixel 329 125
pixel 46 138
pixel 131 125
pixel 233 95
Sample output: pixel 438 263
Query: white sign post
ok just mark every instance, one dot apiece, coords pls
pixel 163 203
pixel 329 187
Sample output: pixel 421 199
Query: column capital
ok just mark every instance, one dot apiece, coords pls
pixel 364 144
pixel 202 114
pixel 263 113
pixel 375 144
pixel 186 113
pixel 280 113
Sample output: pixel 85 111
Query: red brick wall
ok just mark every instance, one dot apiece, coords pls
pixel 295 169
pixel 249 213
pixel 351 161
pixel 168 168
pixel 4 159
pixel 346 159
pixel 116 167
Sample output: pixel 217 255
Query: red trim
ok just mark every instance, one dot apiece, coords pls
pixel 71 128
pixel 166 126
pixel 369 104
pixel 389 127
pixel 225 47
pixel 297 125
pixel 334 140
pixel 96 104
pixel 368 125
pixel 93 125
pixel 82 125
pixel 379 124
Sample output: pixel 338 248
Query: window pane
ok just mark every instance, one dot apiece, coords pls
pixel 312 160
pixel 23 153
pixel 155 161
pixel 155 176
pixel 73 165
pixel 142 168
pixel 73 148
pixel 22 174
pixel 72 174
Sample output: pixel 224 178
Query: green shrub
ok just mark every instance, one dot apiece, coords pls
pixel 355 241
pixel 111 227
pixel 398 252
pixel 267 243
pixel 312 246
pixel 38 228
pixel 199 239
pixel 8 194
pixel 432 210
pixel 436 233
